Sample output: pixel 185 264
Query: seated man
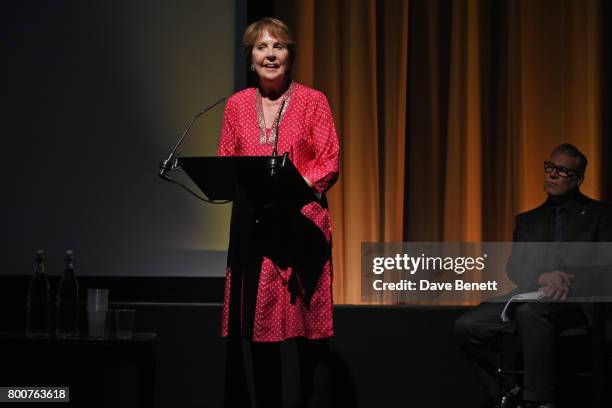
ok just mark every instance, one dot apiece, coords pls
pixel 566 215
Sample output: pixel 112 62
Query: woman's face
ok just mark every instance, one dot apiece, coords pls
pixel 270 58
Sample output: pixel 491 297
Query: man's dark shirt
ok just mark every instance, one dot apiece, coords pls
pixel 558 214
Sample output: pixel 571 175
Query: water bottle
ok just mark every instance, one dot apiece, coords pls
pixel 67 303
pixel 38 308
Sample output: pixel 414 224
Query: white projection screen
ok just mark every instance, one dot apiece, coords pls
pixel 98 92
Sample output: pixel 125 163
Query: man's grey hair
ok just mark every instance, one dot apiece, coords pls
pixel 572 151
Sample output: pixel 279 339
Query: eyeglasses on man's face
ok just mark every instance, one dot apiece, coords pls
pixel 563 172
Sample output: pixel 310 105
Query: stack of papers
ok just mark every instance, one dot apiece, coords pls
pixel 537 295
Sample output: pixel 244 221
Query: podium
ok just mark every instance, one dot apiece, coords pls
pixel 219 177
pixel 266 221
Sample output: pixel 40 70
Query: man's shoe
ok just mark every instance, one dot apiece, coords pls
pixel 510 399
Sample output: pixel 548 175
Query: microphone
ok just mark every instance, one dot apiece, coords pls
pixel 171 162
pixel 273 162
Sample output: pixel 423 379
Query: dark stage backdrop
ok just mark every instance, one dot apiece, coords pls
pixel 446 109
pixel 94 96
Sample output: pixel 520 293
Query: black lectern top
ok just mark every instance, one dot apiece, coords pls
pixel 217 177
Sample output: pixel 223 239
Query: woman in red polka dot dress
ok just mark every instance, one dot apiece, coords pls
pixel 279 274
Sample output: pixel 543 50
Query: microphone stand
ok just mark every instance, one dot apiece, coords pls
pixel 273 162
pixel 171 162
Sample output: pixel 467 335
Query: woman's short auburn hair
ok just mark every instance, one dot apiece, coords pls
pixel 276 29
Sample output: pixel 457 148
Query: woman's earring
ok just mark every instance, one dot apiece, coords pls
pixel 252 67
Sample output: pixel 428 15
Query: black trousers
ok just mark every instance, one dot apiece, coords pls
pixel 537 324
pixel 267 372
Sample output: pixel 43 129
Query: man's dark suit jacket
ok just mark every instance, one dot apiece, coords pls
pixel 588 220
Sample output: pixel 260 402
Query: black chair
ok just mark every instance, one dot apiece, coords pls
pixel 594 363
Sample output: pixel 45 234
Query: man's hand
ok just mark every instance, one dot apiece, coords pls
pixel 555 284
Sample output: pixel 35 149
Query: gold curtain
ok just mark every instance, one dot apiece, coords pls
pixel 446 110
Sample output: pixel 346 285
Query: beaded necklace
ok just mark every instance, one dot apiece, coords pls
pixel 262 121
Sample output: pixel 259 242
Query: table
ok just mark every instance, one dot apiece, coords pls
pixel 50 361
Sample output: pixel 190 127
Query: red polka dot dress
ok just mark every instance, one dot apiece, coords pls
pixel 306 131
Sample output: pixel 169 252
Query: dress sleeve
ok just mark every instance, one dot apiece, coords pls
pixel 227 140
pixel 323 172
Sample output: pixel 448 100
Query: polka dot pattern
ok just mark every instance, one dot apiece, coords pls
pixel 308 133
